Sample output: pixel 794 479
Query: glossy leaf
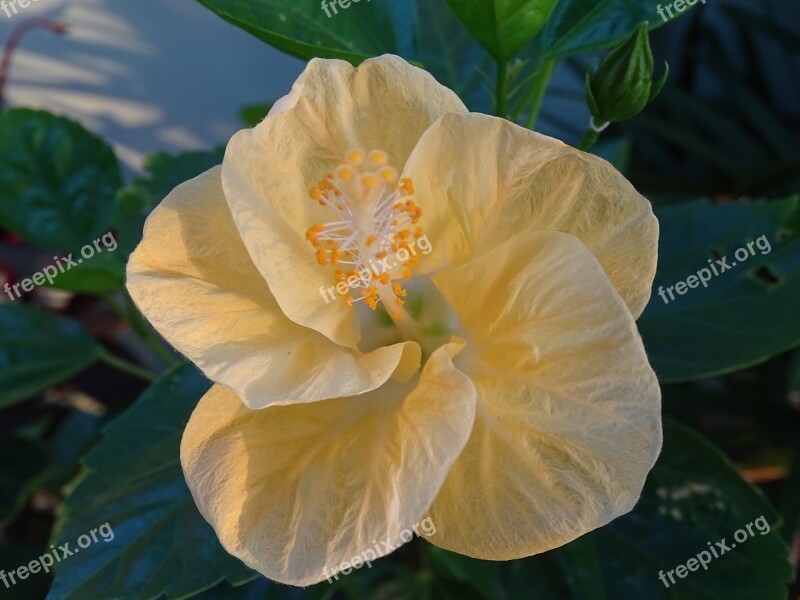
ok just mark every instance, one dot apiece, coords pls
pixel 162 547
pixel 39 349
pixel 586 26
pixel 503 27
pixel 745 314
pixel 348 30
pixel 57 180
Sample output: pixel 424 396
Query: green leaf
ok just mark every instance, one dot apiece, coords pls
pixel 586 26
pixel 503 27
pixel 39 349
pixel 302 28
pixel 693 496
pixel 102 273
pixel 451 54
pixel 57 180
pixel 164 172
pixel 747 313
pixel 133 481
pixel 23 466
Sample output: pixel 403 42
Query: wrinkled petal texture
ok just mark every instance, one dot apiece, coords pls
pixel 481 180
pixel 193 279
pixel 568 419
pixel 294 490
pixel 267 172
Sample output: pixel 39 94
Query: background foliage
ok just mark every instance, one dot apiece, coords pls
pixel 92 403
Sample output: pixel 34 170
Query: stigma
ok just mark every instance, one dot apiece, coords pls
pixel 369 244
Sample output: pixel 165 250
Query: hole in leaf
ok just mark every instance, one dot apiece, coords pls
pixel 766 275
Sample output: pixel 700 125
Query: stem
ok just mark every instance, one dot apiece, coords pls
pixel 538 89
pixel 125 366
pixel 592 135
pixel 589 139
pixel 16 35
pixel 502 86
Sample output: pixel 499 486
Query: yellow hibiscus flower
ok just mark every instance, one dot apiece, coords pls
pixel 495 384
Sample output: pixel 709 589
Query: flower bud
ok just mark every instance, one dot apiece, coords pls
pixel 623 84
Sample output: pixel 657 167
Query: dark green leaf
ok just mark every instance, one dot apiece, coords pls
pixel 304 29
pixel 39 349
pixel 747 313
pixel 134 482
pixel 22 468
pixel 503 27
pixel 692 497
pixel 103 272
pixel 585 26
pixel 457 61
pixel 57 180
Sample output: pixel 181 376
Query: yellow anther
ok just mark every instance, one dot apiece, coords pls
pixel 355 157
pixel 384 278
pixel 345 173
pixel 406 186
pixel 388 174
pixel 321 258
pixel 406 274
pixel 399 302
pixel 368 180
pixel 371 240
pixel 315 193
pixel 314 231
pixel 418 233
pixel 381 255
pixel 378 157
pixel 350 301
pixel 399 291
pixel 396 314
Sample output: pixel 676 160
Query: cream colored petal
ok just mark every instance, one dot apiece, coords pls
pixel 295 490
pixel 481 180
pixel 568 421
pixel 192 278
pixel 386 103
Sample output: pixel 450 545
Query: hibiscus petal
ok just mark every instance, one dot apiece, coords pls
pixel 480 180
pixel 295 490
pixel 192 278
pixel 267 173
pixel 568 419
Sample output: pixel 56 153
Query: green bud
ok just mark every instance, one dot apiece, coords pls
pixel 623 84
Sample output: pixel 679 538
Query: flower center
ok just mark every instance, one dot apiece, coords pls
pixel 370 243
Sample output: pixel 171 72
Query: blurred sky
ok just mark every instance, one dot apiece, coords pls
pixel 145 74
